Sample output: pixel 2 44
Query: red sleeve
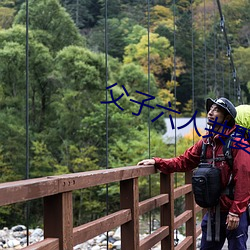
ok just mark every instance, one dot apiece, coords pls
pixel 241 175
pixel 185 162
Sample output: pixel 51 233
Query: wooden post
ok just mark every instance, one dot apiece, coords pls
pixel 129 197
pixel 190 205
pixel 167 210
pixel 58 219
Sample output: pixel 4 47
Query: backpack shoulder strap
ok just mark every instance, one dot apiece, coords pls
pixel 203 152
pixel 227 151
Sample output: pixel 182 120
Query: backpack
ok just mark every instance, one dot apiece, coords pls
pixel 206 179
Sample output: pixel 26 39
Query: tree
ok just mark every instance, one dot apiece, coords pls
pixel 161 16
pixel 242 65
pixel 161 61
pixel 6 17
pixel 40 60
pixel 117 32
pixel 53 25
pixel 84 13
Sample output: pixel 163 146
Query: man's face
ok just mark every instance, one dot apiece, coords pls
pixel 215 111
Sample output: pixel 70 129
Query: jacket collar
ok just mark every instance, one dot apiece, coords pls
pixel 225 135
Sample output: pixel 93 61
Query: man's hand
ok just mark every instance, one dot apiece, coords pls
pixel 232 221
pixel 146 162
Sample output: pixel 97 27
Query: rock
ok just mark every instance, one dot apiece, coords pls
pixel 100 238
pixel 111 233
pixel 95 248
pixel 18 228
pixel 111 239
pixel 103 243
pixel 18 247
pixel 16 238
pixel 3 233
pixel 117 244
pixel 13 243
pixel 117 234
pixel 38 232
pixel 81 246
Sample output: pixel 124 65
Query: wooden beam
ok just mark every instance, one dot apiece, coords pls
pixel 129 197
pixel 167 210
pixel 190 205
pixel 46 244
pixel 152 239
pixel 58 219
pixel 185 244
pixel 24 190
pixel 185 189
pixel 98 177
pixel 152 203
pixel 90 230
pixel 182 218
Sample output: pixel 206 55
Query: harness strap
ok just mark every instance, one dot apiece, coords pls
pixel 216 159
pixel 203 152
pixel 209 226
pixel 217 223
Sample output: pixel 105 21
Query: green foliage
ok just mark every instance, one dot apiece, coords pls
pixel 84 13
pixel 242 63
pixel 53 25
pixel 118 31
pixel 6 17
pixel 12 149
pixel 42 162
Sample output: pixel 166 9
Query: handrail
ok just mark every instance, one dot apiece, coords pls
pixel 58 208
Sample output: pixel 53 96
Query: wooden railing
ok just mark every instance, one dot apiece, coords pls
pixel 59 232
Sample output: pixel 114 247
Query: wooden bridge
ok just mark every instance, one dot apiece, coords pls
pixel 56 192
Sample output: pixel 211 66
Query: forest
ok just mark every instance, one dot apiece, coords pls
pixel 59 70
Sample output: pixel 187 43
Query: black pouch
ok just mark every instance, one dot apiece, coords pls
pixel 206 183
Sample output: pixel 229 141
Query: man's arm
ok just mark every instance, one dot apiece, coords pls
pixel 185 162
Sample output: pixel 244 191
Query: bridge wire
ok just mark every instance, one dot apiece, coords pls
pixel 192 73
pixel 222 68
pixel 205 50
pixel 215 52
pixel 175 94
pixel 236 82
pixel 174 74
pixel 149 124
pixel 27 204
pixel 107 121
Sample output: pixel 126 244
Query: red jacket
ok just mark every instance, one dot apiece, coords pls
pixel 241 168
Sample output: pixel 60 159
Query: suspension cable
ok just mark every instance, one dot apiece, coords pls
pixel 149 122
pixel 205 51
pixel 229 54
pixel 107 120
pixel 215 52
pixel 175 94
pixel 192 74
pixel 174 74
pixel 27 207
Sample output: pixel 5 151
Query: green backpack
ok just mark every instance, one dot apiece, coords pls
pixel 243 116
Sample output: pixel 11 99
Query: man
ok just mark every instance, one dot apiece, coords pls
pixel 221 115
